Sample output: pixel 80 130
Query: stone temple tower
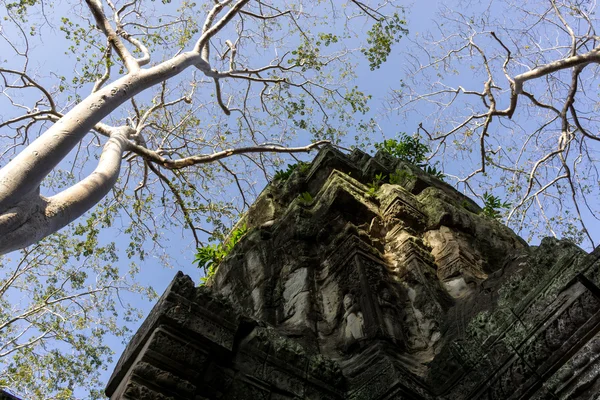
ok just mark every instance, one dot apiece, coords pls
pixel 403 290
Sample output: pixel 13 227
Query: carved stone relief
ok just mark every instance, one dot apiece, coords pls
pixel 408 294
pixel 353 320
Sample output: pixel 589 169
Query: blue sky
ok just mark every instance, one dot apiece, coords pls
pixel 179 248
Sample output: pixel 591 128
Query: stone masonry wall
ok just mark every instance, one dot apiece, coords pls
pixel 403 292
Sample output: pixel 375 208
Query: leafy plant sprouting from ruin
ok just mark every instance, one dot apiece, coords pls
pixel 433 171
pixel 400 176
pixel 283 175
pixel 492 206
pixel 408 148
pixel 376 184
pixel 305 197
pixel 209 257
pixel 411 150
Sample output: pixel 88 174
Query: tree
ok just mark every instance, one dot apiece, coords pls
pixel 508 90
pixel 141 136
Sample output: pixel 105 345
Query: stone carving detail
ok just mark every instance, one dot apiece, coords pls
pixel 353 319
pixel 391 312
pixel 459 264
pixel 409 294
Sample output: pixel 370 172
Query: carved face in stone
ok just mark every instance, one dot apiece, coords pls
pixel 348 301
pixel 385 295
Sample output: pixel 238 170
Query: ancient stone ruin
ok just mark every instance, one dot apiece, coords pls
pixel 341 290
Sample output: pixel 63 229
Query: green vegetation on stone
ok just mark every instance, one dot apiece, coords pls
pixel 411 150
pixel 408 148
pixel 376 184
pixel 209 257
pixel 283 175
pixel 433 171
pixel 305 197
pixel 492 206
pixel 400 176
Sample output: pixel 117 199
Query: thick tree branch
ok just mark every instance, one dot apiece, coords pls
pixel 35 217
pixel 214 29
pixel 208 158
pixel 24 173
pixel 95 7
pixel 547 69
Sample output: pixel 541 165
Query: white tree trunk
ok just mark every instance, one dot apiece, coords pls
pixel 25 216
pixel 35 217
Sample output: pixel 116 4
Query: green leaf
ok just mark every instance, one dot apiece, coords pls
pixel 408 148
pixel 305 197
pixel 209 257
pixel 493 205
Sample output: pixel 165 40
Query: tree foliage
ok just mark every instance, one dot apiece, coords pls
pixel 142 118
pixel 381 37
